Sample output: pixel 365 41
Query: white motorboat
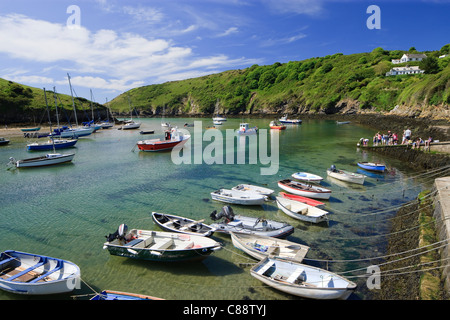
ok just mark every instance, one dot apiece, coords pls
pixel 302 280
pixel 301 211
pixel 305 176
pixel 253 189
pixel 238 197
pixel 346 176
pixel 305 190
pixel 47 160
pixel 260 247
pixel 244 129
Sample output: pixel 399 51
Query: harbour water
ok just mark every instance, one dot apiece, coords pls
pixel 66 211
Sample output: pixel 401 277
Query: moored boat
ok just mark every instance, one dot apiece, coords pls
pixel 130 125
pixel 3 141
pixel 244 129
pixel 301 211
pixel 47 160
pixel 303 189
pixel 346 176
pixel 372 166
pixel 254 189
pixel 173 223
pixel 159 245
pixel 306 200
pixel 172 138
pixel 276 126
pixel 119 295
pixel 260 247
pixel 34 274
pixel 52 144
pixel 31 129
pixel 302 280
pixel 238 197
pixel 248 225
pixel 305 176
pixel 284 119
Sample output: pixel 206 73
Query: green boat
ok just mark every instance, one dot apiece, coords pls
pixel 159 245
pixel 31 129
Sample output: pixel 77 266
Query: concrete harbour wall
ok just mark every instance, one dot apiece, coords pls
pixel 442 217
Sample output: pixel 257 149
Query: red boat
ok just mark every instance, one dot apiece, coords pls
pixel 306 200
pixel 276 126
pixel 172 138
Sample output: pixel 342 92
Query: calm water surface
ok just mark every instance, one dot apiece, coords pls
pixel 65 211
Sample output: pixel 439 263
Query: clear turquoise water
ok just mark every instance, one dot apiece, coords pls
pixel 65 211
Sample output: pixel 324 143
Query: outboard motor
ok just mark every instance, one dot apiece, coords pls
pixel 119 234
pixel 226 213
pixel 333 168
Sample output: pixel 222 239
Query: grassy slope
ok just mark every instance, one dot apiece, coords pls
pixel 309 85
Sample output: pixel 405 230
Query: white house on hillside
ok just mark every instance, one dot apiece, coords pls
pixel 404 70
pixel 407 57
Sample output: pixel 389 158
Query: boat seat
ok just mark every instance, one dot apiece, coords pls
pixel 273 250
pixel 144 243
pixel 58 267
pixel 190 245
pixel 6 261
pixel 134 242
pixel 298 274
pixel 265 267
pixel 162 245
pixel 24 272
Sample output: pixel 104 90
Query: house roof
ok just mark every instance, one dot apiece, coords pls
pixel 415 55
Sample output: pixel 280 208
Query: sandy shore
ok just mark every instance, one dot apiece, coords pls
pixel 16 131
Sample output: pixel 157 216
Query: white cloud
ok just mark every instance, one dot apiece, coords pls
pixel 229 31
pixel 102 59
pixel 281 41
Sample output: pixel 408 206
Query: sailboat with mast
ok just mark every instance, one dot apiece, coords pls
pixel 164 123
pixel 48 159
pixel 66 132
pixel 107 124
pixel 130 124
pixel 217 118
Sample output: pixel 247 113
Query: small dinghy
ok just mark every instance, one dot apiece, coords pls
pixel 173 223
pixel 346 176
pixel 260 247
pixel 276 126
pixel 33 274
pixel 249 225
pixel 305 176
pixel 254 189
pixel 306 200
pixel 305 190
pixel 372 166
pixel 238 197
pixel 302 211
pixel 158 245
pixel 302 280
pixel 119 295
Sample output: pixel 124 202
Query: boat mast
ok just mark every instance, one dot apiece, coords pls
pixel 73 101
pixel 56 106
pixel 49 120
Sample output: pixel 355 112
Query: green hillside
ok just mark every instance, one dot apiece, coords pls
pixel 312 85
pixel 21 104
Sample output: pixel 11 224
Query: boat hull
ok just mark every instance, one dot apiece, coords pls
pixel 44 161
pixel 305 176
pixel 260 247
pixel 119 295
pixel 238 197
pixel 49 145
pixel 316 283
pixel 53 271
pixel 372 166
pixel 307 213
pixel 306 200
pixel 347 176
pixel 300 189
pixel 173 223
pixel 251 225
pixel 160 145
pixel 188 247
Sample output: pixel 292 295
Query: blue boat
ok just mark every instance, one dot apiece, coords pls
pixel 34 274
pixel 118 295
pixel 50 145
pixel 372 166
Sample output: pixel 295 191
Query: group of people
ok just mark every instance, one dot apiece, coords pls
pixel 386 139
pixel 392 139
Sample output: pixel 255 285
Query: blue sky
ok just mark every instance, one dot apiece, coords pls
pixel 115 45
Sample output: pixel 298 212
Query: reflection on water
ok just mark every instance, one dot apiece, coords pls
pixel 66 211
